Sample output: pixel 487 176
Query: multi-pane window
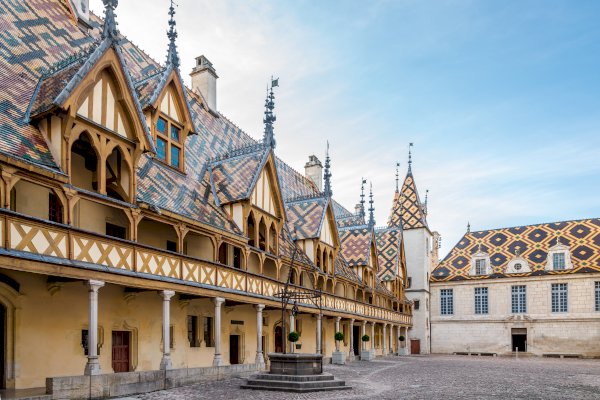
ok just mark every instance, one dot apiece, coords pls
pixel 519 299
pixel 481 300
pixel 480 266
pixel 208 332
pixel 597 296
pixel 192 328
pixel 446 302
pixel 559 297
pixel 417 304
pixel 55 213
pixel 558 261
pixel 168 142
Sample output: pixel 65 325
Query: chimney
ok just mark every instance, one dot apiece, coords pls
pixel 204 81
pixel 313 170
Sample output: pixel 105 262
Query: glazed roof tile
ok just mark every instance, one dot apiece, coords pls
pixel 407 210
pixel 356 244
pixel 305 217
pixel 531 243
pixel 388 251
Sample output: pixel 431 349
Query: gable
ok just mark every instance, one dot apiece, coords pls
pixel 170 106
pixel 327 232
pixel 262 195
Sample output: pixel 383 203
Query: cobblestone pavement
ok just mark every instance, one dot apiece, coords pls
pixel 429 377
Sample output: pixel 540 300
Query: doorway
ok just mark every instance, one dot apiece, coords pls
pixel 120 351
pixel 234 349
pixel 415 346
pixel 356 339
pixel 278 339
pixel 519 339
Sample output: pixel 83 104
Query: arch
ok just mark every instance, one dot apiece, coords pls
pixel 360 296
pixel 85 167
pixel 331 263
pixel 262 235
pixel 321 283
pixel 273 239
pixel 270 268
pixel 294 277
pixel 325 260
pixel 253 263
pixel 340 289
pixel 118 175
pixel 329 287
pixel 305 280
pixel 157 234
pixel 318 258
pixel 9 302
pixel 251 224
pixel 199 246
pixel 38 201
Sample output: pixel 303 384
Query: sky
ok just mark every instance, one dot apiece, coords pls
pixel 500 98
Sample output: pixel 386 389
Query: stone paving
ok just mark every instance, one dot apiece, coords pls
pixel 429 377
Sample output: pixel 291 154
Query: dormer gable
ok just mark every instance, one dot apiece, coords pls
pixel 266 193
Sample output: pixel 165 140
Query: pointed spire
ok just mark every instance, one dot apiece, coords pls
pixel 371 208
pixel 327 175
pixel 362 197
pixel 172 56
pixel 109 30
pixel 269 135
pixel 410 145
pixel 468 227
pixel 425 203
pixel 397 175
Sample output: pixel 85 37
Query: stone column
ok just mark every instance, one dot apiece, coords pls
pixel 319 331
pixel 292 329
pixel 363 345
pixel 92 367
pixel 384 337
pixel 260 359
pixel 337 329
pixel 373 337
pixel 165 362
pixel 351 352
pixel 218 361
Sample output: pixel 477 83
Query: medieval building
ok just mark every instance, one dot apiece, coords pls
pixel 144 237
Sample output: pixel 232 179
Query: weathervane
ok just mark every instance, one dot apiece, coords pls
pixel 327 187
pixel 172 56
pixel 270 118
pixel 397 175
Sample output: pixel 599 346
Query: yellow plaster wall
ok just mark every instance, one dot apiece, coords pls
pixel 93 216
pixel 156 234
pixel 32 199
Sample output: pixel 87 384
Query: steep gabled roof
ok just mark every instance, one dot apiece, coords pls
pixel 389 241
pixel 356 244
pixel 305 217
pixel 407 210
pixel 531 243
pixel 343 269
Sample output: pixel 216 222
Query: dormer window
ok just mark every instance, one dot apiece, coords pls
pixel 168 142
pixel 480 263
pixel 559 257
pixel 480 267
pixel 558 261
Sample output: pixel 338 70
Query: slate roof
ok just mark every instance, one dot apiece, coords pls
pixel 356 242
pixel 532 242
pixel 389 241
pixel 407 210
pixel 306 217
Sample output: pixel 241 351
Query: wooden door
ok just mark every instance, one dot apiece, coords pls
pixel 415 346
pixel 278 339
pixel 234 349
pixel 120 351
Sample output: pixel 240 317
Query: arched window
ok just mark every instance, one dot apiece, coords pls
pixel 117 176
pixel 251 231
pixel 273 239
pixel 262 235
pixel 84 163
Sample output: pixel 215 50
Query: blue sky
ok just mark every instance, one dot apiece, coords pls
pixel 500 98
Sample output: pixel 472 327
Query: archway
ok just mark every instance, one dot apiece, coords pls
pixel 84 163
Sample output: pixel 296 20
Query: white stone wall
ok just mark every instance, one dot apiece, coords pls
pixel 574 332
pixel 417 247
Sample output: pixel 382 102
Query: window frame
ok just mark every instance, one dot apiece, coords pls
pixel 597 295
pixel 559 298
pixel 166 137
pixel 447 301
pixel 559 261
pixel 518 302
pixel 480 266
pixel 481 300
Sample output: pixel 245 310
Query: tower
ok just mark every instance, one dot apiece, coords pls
pixel 409 214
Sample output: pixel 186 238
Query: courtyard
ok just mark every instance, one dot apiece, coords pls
pixel 429 377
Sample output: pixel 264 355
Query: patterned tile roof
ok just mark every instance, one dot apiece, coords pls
pixel 286 249
pixel 407 209
pixel 531 242
pixel 294 185
pixel 306 217
pixel 388 252
pixel 343 269
pixel 356 243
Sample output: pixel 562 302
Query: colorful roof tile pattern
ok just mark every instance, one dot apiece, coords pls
pixel 305 217
pixel 343 269
pixel 356 245
pixel 389 242
pixel 531 242
pixel 407 209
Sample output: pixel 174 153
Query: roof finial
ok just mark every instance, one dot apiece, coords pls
pixel 269 135
pixel 558 240
pixel 109 30
pixel 410 145
pixel 397 175
pixel 468 227
pixel 425 204
pixel 371 208
pixel 172 56
pixel 327 175
pixel 362 197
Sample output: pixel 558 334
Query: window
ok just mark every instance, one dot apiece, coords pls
pixel 559 297
pixel 208 332
pixel 480 266
pixel 518 266
pixel 115 231
pixel 519 299
pixel 446 302
pixel 481 300
pixel 192 328
pixel 54 208
pixel 171 245
pixel 558 261
pixel 409 282
pixel 597 296
pixel 417 304
pixel 168 142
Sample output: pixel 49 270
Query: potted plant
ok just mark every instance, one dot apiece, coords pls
pixel 366 354
pixel 293 337
pixel 338 357
pixel 365 338
pixel 401 338
pixel 339 336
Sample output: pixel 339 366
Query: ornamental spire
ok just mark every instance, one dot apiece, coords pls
pixel 468 227
pixel 371 208
pixel 425 203
pixel 172 56
pixel 109 30
pixel 327 175
pixel 410 145
pixel 269 135
pixel 397 175
pixel 362 198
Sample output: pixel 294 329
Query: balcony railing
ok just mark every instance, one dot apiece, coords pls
pixel 31 235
